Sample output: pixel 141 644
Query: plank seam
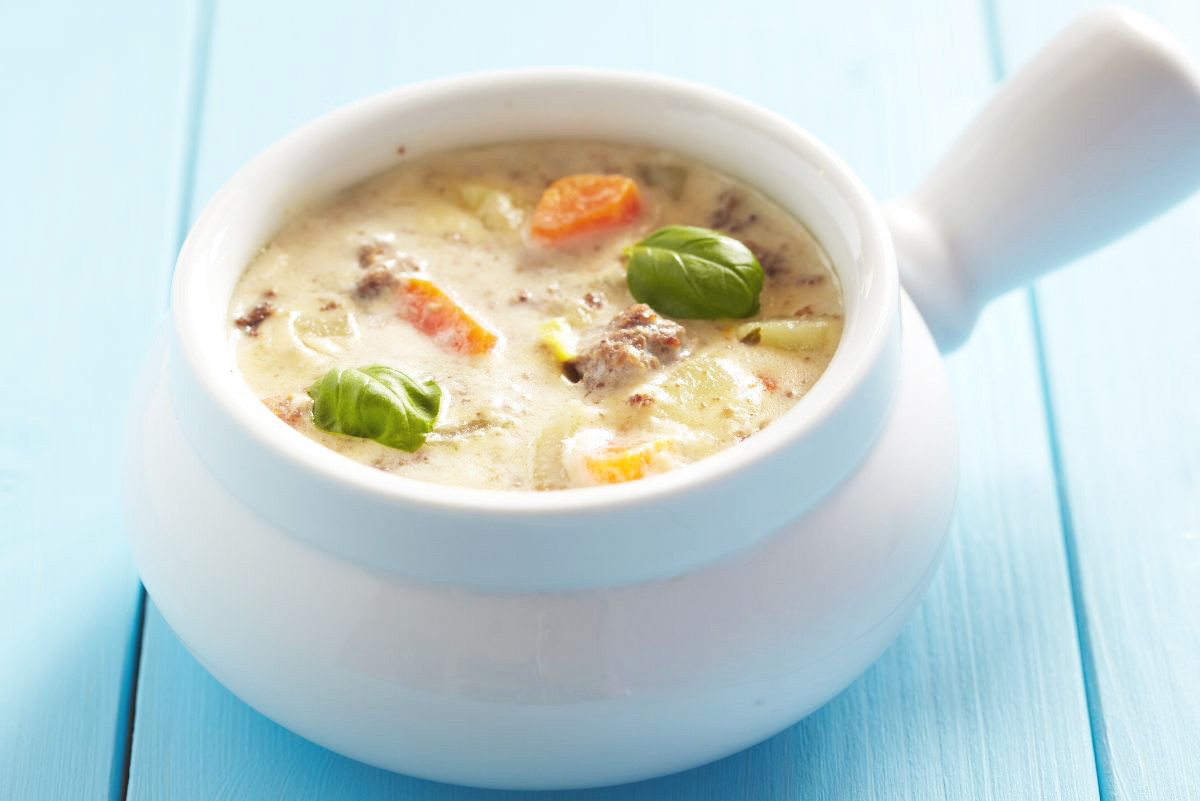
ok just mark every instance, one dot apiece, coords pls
pixel 991 24
pixel 1095 712
pixel 189 152
pixel 186 159
pixel 1087 658
pixel 128 703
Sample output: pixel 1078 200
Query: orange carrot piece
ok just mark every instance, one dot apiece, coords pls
pixel 579 204
pixel 431 311
pixel 613 465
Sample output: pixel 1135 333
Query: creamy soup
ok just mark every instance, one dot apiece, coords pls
pixel 473 317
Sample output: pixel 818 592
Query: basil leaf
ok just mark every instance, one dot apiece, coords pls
pixel 379 403
pixel 693 273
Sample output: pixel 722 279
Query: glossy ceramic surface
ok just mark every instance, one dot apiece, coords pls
pixel 515 540
pixel 680 649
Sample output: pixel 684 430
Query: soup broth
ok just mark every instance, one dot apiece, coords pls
pixel 502 275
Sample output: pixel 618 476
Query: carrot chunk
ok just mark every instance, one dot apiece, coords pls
pixel 579 204
pixel 613 464
pixel 431 311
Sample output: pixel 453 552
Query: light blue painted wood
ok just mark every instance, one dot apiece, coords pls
pixel 1121 333
pixel 982 696
pixel 89 154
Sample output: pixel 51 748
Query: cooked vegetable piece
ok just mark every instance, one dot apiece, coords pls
pixel 337 324
pixel 559 338
pixel 805 334
pixel 377 402
pixel 693 273
pixel 494 208
pixel 433 312
pixel 548 465
pixel 325 332
pixel 580 204
pixel 607 463
pixel 445 216
pixel 709 395
pixel 668 177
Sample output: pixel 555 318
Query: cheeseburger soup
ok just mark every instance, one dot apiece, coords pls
pixel 539 315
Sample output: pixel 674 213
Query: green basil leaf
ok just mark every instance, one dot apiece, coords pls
pixel 379 403
pixel 693 273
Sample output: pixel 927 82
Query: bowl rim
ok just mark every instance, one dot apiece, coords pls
pixel 227 391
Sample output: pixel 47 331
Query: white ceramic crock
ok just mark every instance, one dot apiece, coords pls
pixel 602 635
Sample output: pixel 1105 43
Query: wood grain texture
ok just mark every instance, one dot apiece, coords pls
pixel 89 154
pixel 982 696
pixel 1120 335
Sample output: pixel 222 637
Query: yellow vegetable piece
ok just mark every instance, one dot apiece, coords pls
pixel 559 338
pixel 614 464
pixel 812 333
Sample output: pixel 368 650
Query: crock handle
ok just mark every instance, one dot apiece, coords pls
pixel 1095 136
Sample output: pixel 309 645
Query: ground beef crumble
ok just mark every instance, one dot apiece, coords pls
pixel 773 262
pixel 289 408
pixel 726 218
pixel 370 253
pixel 634 342
pixel 374 282
pixel 378 253
pixel 251 320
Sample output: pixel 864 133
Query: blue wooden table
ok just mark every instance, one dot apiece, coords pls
pixel 1058 653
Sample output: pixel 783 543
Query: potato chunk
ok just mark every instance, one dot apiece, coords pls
pixel 494 207
pixel 325 332
pixel 710 397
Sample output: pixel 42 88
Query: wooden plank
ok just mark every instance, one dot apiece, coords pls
pixel 982 696
pixel 1120 332
pixel 90 154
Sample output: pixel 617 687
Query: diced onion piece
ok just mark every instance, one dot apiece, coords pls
pixel 559 338
pixel 807 334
